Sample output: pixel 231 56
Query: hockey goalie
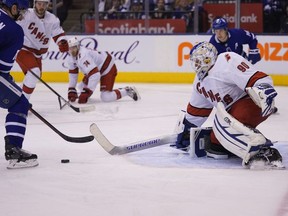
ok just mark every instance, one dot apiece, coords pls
pixel 244 97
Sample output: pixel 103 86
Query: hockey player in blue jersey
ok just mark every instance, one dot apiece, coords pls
pixel 11 97
pixel 232 40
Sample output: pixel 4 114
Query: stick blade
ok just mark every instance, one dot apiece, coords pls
pixel 87 108
pixel 101 139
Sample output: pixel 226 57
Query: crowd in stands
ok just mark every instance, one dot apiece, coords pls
pixel 158 9
pixel 62 8
pixel 275 12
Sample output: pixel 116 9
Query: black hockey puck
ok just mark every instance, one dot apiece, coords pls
pixel 65 161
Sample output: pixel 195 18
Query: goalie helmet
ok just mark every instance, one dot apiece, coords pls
pixel 73 42
pixel 203 56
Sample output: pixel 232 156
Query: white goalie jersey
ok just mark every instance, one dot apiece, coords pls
pixel 226 82
pixel 38 32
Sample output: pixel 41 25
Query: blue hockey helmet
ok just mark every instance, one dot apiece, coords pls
pixel 203 56
pixel 219 23
pixel 10 3
pixel 22 4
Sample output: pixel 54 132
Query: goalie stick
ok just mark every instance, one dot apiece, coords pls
pixel 60 98
pixel 133 147
pixel 65 137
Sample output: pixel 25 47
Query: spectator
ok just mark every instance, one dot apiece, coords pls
pixel 272 16
pixel 160 11
pixel 125 6
pixel 62 7
pixel 284 21
pixel 115 11
pixel 184 10
pixel 62 10
pixel 136 10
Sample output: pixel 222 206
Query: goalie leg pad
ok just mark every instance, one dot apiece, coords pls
pixel 236 137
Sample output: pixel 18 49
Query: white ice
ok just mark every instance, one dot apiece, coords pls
pixel 159 182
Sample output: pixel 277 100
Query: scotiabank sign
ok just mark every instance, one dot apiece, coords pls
pixel 251 17
pixel 163 26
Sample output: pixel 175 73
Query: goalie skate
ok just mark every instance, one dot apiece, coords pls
pixel 266 158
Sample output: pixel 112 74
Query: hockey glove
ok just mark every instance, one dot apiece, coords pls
pixel 263 96
pixel 85 94
pixel 72 94
pixel 63 46
pixel 254 56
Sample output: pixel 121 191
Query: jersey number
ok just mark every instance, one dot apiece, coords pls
pixel 243 67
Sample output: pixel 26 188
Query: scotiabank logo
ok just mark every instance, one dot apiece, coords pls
pixel 269 51
pixel 138 29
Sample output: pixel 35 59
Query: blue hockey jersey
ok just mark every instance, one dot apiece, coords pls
pixel 11 40
pixel 236 39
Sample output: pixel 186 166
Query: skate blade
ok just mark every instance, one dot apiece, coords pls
pixel 14 164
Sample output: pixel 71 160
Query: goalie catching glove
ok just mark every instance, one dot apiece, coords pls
pixel 63 46
pixel 263 96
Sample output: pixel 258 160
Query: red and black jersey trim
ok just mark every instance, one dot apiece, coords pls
pixel 258 75
pixel 106 63
pixel 200 112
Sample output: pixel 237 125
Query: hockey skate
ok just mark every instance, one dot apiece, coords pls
pixel 19 158
pixel 133 93
pixel 266 158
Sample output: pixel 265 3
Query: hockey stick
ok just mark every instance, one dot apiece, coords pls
pixel 133 147
pixel 65 137
pixel 76 109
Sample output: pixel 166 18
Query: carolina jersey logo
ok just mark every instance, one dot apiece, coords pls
pixel 214 97
pixel 86 63
pixel 208 94
pixel 38 35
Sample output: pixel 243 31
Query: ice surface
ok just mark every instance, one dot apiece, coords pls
pixel 161 181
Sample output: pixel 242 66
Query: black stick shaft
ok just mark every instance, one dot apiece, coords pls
pixel 65 137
